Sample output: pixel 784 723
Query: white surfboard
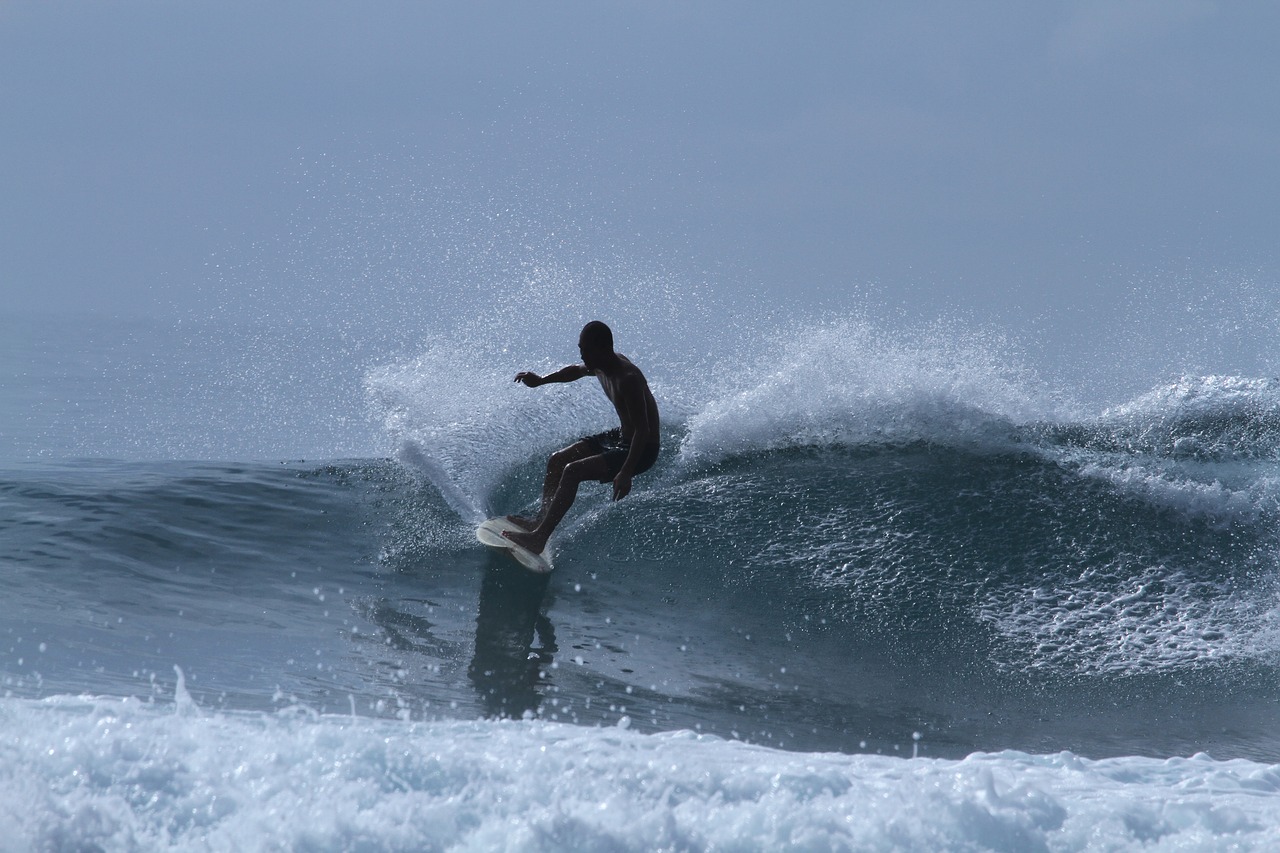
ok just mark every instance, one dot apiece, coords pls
pixel 490 533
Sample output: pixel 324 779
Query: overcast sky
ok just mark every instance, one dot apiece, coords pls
pixel 1012 160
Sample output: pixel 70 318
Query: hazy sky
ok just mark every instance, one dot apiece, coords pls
pixel 1002 158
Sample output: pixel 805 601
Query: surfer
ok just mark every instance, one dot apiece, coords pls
pixel 616 455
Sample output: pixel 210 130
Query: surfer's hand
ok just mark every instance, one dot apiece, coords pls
pixel 621 486
pixel 532 380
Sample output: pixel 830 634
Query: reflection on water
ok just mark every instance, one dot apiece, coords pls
pixel 507 667
pixel 514 644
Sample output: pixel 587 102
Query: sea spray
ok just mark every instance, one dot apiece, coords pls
pixel 846 382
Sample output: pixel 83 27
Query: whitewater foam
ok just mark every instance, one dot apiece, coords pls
pixel 80 773
pixel 1182 489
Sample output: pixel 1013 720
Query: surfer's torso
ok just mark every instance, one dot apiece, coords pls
pixel 617 383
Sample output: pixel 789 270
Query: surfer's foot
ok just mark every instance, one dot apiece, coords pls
pixel 526 540
pixel 521 521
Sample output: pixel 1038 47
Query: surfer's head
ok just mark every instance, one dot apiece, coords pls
pixel 595 343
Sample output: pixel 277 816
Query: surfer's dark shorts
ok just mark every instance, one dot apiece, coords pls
pixel 610 444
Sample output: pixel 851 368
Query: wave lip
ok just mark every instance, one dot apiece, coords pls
pixel 1209 417
pixel 843 383
pixel 1205 447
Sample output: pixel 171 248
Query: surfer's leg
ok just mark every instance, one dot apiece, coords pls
pixel 592 468
pixel 556 464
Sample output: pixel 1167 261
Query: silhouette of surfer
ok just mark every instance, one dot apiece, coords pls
pixel 616 455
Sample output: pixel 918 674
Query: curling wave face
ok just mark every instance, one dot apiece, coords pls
pixel 930 482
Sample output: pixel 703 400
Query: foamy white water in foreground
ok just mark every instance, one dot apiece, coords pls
pixel 81 773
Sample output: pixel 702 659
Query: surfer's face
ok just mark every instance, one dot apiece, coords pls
pixel 590 354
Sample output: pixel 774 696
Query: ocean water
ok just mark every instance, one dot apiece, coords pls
pixel 881 591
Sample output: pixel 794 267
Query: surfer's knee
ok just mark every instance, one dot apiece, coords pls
pixel 591 468
pixel 559 460
pixel 566 456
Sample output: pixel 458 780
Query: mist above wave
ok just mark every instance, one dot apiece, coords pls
pixel 458 419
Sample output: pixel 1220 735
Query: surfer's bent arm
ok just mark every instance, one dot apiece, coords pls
pixel 572 373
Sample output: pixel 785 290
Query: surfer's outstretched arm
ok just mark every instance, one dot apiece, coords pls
pixel 572 373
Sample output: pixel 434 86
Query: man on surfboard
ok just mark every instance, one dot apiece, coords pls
pixel 614 456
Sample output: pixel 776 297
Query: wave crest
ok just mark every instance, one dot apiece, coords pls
pixel 1205 417
pixel 845 383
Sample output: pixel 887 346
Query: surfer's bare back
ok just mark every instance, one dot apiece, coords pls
pixel 615 455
